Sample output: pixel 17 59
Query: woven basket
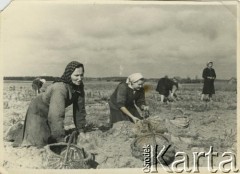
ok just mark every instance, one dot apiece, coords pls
pixel 153 139
pixel 180 122
pixel 66 156
pixel 178 126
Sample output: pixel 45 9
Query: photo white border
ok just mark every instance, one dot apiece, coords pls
pixel 117 170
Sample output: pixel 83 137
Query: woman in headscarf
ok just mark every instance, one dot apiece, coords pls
pixel 125 97
pixel 209 76
pixel 44 122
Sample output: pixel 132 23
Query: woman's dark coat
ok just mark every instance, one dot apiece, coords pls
pixel 165 85
pixel 208 86
pixel 124 96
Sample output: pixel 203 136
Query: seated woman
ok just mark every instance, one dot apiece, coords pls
pixel 167 88
pixel 44 122
pixel 126 95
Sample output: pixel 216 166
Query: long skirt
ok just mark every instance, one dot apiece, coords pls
pixel 163 91
pixel 208 87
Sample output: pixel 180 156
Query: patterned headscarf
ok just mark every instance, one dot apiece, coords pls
pixel 66 77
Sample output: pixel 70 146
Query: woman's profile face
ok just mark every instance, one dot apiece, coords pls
pixel 77 76
pixel 138 84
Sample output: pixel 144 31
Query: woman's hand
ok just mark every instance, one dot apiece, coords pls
pixel 145 108
pixel 210 77
pixel 126 111
pixel 135 119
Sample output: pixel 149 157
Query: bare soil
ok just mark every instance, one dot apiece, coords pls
pixel 210 124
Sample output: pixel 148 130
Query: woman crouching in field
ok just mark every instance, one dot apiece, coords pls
pixel 44 122
pixel 37 85
pixel 167 89
pixel 126 95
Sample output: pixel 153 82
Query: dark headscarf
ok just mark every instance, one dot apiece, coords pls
pixel 66 77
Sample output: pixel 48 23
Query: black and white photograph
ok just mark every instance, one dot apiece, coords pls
pixel 142 86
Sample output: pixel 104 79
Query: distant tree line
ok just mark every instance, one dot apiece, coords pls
pixel 51 78
pixel 109 79
pixel 30 78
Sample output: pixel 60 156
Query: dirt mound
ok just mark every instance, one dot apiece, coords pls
pixel 30 157
pixel 112 148
pixel 122 128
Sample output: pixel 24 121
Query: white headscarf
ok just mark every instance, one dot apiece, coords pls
pixel 134 77
pixel 209 62
pixel 43 80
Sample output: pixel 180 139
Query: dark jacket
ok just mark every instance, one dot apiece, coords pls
pixel 165 85
pixel 208 72
pixel 124 96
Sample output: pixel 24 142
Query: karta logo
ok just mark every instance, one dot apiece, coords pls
pixel 151 159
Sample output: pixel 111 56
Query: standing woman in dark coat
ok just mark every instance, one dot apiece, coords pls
pixel 125 97
pixel 44 122
pixel 209 76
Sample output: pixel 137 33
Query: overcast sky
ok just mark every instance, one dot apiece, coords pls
pixel 117 40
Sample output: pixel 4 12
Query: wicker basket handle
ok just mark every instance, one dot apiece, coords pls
pixel 72 139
